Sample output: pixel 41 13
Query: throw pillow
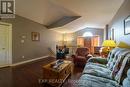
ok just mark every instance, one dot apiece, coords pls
pixel 123 45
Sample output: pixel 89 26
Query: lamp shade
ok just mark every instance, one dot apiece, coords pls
pixel 109 43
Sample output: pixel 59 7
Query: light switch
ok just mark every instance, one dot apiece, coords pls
pixel 22 41
pixel 23 36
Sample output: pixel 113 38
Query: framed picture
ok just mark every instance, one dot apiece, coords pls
pixel 35 36
pixel 127 25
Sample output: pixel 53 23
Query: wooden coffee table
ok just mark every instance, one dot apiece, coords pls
pixel 56 77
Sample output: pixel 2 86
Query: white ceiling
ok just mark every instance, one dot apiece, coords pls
pixel 95 13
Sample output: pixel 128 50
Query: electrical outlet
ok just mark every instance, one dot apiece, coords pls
pixel 23 56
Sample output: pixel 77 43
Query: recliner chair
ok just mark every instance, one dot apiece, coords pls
pixel 81 56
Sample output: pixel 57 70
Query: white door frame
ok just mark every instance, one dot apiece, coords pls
pixel 9 54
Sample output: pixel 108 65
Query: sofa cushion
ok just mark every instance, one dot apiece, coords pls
pixel 111 56
pixel 100 72
pixel 94 65
pixel 128 74
pixel 123 45
pixel 116 56
pixel 124 64
pixel 112 52
pixel 97 70
pixel 126 83
pixel 93 81
pixel 119 61
pixel 97 60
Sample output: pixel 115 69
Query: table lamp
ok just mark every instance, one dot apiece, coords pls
pixel 109 44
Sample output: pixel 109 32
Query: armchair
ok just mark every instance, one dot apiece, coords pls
pixel 81 56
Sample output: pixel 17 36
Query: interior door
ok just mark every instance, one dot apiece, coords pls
pixel 80 41
pixel 3 45
pixel 88 43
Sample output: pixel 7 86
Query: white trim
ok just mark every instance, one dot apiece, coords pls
pixel 104 34
pixel 23 62
pixel 10 45
pixel 9 54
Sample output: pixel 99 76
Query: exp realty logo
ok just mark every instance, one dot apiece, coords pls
pixel 7 8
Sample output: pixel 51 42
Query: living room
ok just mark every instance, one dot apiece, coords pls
pixel 36 34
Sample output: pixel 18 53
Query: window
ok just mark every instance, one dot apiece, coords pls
pixel 87 34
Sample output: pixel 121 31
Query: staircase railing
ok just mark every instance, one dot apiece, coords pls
pixel 52 53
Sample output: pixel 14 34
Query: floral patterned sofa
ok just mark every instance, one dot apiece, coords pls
pixel 110 72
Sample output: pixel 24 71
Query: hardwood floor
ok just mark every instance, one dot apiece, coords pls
pixel 28 75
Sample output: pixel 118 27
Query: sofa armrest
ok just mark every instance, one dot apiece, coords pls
pixel 98 60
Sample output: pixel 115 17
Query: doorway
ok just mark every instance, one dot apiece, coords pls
pixel 89 42
pixel 5 44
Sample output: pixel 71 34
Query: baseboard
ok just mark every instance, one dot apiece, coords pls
pixel 4 66
pixel 23 62
pixel 52 56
